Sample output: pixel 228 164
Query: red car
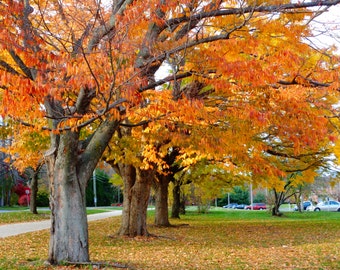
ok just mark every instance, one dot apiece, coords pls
pixel 257 206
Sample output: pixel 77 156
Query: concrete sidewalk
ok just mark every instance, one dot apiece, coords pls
pixel 25 227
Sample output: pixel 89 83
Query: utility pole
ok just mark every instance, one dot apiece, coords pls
pixel 94 188
pixel 251 196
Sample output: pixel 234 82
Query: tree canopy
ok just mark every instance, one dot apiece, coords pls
pixel 245 90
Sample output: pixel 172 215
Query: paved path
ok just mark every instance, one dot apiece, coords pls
pixel 25 227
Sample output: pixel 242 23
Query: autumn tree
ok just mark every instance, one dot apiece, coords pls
pixel 300 169
pixel 161 148
pixel 26 152
pixel 208 181
pixel 289 149
pixel 124 156
pixel 49 70
pixel 78 70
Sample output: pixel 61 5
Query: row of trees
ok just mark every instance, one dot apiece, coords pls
pixel 246 99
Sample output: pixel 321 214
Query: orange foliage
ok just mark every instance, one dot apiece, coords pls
pixel 252 84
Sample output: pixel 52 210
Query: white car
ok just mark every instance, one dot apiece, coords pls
pixel 332 206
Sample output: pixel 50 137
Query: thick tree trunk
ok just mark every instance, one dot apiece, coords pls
pixel 128 174
pixel 161 185
pixel 137 185
pixel 139 203
pixel 34 191
pixel 69 232
pixel 176 205
pixel 70 163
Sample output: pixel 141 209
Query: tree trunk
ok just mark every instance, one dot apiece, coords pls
pixel 70 164
pixel 297 196
pixel 128 174
pixel 34 190
pixel 182 204
pixel 161 185
pixel 69 232
pixel 278 201
pixel 176 205
pixel 137 185
pixel 275 210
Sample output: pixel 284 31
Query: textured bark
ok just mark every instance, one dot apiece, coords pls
pixel 139 203
pixel 70 163
pixel 128 174
pixel 69 235
pixel 161 185
pixel 137 185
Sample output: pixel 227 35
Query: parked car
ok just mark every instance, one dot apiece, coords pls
pixel 331 206
pixel 231 205
pixel 240 206
pixel 305 205
pixel 257 206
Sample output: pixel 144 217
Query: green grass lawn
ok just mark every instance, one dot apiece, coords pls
pixel 14 208
pixel 221 239
pixel 22 214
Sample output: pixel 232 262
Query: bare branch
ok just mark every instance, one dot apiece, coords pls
pixel 298 157
pixel 251 9
pixel 106 28
pixel 165 80
pixel 310 82
pixel 156 61
pixel 25 69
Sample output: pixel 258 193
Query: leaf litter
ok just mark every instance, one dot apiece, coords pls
pixel 207 243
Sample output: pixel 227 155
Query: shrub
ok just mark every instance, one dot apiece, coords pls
pixel 23 200
pixel 20 189
pixel 239 195
pixel 14 199
pixel 43 198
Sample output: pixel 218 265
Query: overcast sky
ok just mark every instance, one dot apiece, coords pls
pixel 327 28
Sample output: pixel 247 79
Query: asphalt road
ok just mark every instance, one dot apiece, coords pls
pixel 25 227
